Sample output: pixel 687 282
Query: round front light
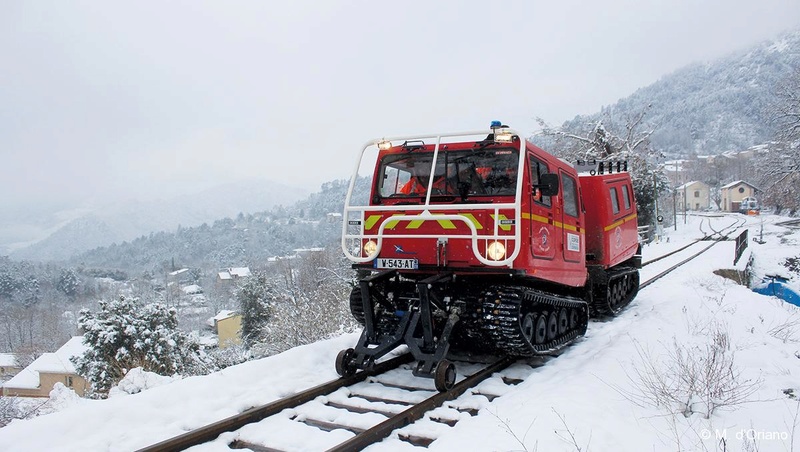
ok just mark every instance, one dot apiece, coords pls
pixel 496 251
pixel 370 248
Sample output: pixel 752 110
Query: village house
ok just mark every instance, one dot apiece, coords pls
pixel 732 195
pixel 694 195
pixel 675 170
pixel 227 326
pixel 183 276
pixel 8 365
pixel 38 379
pixel 231 274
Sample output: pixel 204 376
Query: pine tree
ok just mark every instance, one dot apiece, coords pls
pixel 124 335
pixel 255 302
pixel 68 282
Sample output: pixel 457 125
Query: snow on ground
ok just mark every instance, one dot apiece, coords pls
pixel 591 397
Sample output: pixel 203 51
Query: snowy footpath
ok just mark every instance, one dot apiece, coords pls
pixel 696 362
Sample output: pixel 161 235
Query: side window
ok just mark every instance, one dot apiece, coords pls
pixel 537 169
pixel 570 195
pixel 614 202
pixel 394 178
pixel 626 197
pixel 697 193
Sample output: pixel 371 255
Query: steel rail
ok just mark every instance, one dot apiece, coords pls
pixel 255 414
pixel 664 256
pixel 705 237
pixel 385 428
pixel 679 264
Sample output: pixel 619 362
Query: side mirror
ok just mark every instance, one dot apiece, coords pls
pixel 548 184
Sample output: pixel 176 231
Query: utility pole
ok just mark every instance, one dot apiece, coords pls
pixel 655 197
pixel 684 203
pixel 675 199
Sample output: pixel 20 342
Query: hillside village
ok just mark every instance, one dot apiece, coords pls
pixel 699 184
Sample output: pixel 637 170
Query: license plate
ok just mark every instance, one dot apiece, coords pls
pixel 401 264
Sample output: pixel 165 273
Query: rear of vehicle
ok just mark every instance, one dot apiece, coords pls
pixel 613 251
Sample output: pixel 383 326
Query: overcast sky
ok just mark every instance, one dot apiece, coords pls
pixel 155 97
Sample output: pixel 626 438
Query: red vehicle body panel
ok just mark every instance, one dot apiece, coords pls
pixel 611 236
pixel 556 233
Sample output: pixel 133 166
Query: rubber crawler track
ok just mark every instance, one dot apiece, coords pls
pixel 505 308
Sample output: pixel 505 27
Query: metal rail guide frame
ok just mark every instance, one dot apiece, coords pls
pixel 431 348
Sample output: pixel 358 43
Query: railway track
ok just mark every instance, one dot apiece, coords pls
pixel 713 235
pixel 357 395
pixel 369 395
pixel 716 237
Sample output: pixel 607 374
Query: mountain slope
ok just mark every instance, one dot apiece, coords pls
pixel 127 220
pixel 237 240
pixel 710 108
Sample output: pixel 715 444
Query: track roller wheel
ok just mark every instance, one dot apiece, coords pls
pixel 528 326
pixel 344 363
pixel 540 335
pixel 573 318
pixel 552 325
pixel 563 321
pixel 445 376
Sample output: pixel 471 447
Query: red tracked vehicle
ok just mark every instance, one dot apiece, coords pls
pixel 484 243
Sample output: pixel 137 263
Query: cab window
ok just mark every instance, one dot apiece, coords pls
pixel 537 169
pixel 570 195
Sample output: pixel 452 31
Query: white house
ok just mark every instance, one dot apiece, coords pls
pixel 694 195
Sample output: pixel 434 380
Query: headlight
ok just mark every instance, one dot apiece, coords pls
pixel 496 251
pixel 370 248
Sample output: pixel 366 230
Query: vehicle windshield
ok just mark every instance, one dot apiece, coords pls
pixel 463 173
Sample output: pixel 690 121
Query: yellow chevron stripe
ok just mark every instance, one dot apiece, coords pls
pixel 371 221
pixel 445 224
pixel 474 220
pixel 498 218
pixel 391 224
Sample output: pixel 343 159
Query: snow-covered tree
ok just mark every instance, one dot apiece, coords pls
pixel 254 298
pixel 310 299
pixel 68 282
pixel 604 139
pixel 124 334
pixel 786 110
pixel 778 170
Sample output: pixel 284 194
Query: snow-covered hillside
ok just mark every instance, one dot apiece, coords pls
pixel 711 107
pixel 126 220
pixel 600 394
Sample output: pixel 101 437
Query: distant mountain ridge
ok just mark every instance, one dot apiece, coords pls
pixel 127 220
pixel 711 108
pixel 246 239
